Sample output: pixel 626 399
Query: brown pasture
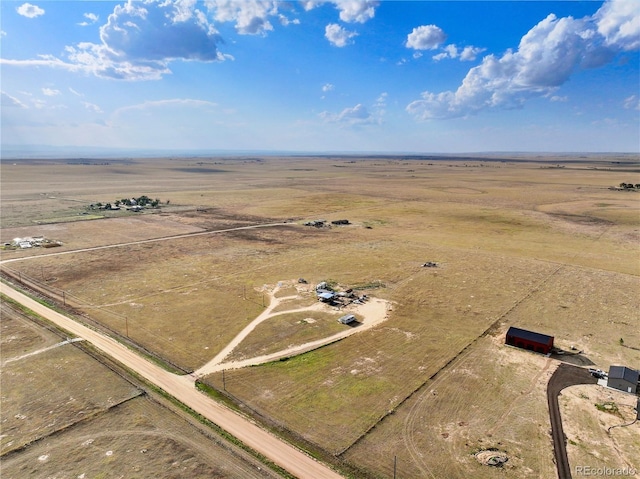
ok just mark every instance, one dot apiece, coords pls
pixel 601 438
pixel 97 424
pixel 285 330
pixel 518 241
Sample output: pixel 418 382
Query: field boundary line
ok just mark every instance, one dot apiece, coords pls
pixel 40 351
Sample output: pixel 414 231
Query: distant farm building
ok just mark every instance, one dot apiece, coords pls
pixel 623 378
pixel 340 222
pixel 38 241
pixel 530 340
pixel 347 319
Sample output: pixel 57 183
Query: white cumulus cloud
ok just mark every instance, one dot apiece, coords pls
pixel 619 23
pixel 29 11
pixel 250 16
pixel 546 58
pixel 137 42
pixel 356 10
pixel 468 53
pixel 338 36
pixel 350 11
pixel 327 87
pixel 426 37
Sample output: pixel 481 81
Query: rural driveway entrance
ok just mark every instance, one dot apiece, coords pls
pixel 565 376
pixel 286 456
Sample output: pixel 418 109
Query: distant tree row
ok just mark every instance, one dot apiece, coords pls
pixel 143 200
pixel 629 186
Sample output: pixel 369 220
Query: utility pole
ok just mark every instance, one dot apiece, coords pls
pixel 224 383
pixel 126 325
pixel 395 464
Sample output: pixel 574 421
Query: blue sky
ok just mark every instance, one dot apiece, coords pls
pixel 339 75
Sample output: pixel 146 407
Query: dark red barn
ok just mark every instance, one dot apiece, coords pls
pixel 521 338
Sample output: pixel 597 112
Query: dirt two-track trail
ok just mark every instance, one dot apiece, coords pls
pixel 182 388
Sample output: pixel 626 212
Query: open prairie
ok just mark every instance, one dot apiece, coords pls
pixel 536 242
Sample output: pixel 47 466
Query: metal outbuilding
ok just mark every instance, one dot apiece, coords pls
pixel 347 319
pixel 623 378
pixel 529 340
pixel 326 296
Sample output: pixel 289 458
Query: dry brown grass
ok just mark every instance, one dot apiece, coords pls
pixel 550 249
pixel 39 399
pixel 588 442
pixel 492 396
pixel 285 330
pixel 96 425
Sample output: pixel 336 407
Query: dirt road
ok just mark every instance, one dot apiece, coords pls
pixel 374 312
pixel 182 388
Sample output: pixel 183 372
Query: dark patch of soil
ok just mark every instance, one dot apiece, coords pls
pixel 582 219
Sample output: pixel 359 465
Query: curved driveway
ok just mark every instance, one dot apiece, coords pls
pixel 374 312
pixel 566 375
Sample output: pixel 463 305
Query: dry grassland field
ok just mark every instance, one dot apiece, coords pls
pixel 64 414
pixel 541 243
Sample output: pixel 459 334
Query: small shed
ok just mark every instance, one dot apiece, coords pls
pixel 530 340
pixel 623 378
pixel 347 319
pixel 326 296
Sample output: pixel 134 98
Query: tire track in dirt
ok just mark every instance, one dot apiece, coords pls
pixel 40 351
pixel 524 394
pixel 150 240
pixel 410 421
